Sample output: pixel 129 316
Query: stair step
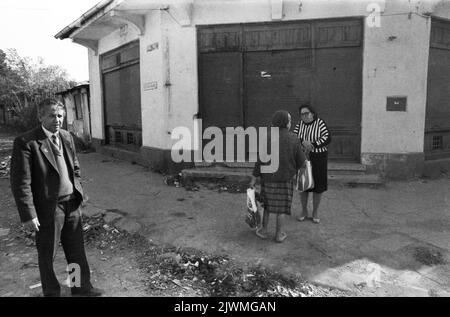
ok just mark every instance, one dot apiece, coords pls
pixel 219 173
pixel 355 180
pixel 240 175
pixel 333 166
pixel 225 164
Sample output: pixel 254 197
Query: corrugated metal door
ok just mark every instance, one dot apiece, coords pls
pixel 437 118
pixel 221 89
pixel 221 94
pixel 273 81
pixel 284 65
pixel 122 97
pixel 337 97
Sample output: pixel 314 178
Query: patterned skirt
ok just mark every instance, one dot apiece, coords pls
pixel 277 196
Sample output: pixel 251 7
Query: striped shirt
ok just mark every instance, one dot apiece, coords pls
pixel 316 132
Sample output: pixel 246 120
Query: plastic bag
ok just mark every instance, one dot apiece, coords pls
pixel 254 209
pixel 305 178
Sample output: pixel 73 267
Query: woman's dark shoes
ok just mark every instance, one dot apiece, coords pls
pixel 92 292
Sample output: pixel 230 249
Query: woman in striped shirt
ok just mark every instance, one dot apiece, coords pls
pixel 314 136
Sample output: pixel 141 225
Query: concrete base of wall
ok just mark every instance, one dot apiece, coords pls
pixel 122 154
pixel 394 166
pixel 436 168
pixel 386 165
pixel 160 160
pixel 97 143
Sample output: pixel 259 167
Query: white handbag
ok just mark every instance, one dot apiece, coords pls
pixel 305 178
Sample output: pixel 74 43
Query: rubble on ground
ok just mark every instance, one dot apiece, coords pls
pixel 209 184
pixel 5 163
pixel 172 269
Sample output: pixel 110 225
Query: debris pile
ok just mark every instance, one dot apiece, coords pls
pixel 100 234
pixel 173 180
pixel 5 167
pixel 219 276
pixel 28 236
pixel 175 270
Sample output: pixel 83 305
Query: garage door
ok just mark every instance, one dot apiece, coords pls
pixel 437 118
pixel 122 97
pixel 247 72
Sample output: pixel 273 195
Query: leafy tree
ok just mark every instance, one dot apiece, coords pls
pixel 24 82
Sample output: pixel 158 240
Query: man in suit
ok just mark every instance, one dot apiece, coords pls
pixel 45 181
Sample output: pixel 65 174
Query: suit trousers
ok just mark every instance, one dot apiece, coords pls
pixel 66 228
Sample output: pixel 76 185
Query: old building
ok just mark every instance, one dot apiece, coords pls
pixel 376 71
pixel 76 101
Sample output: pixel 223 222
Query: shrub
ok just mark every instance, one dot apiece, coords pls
pixel 24 118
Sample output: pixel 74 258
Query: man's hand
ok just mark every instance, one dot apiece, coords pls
pixel 32 225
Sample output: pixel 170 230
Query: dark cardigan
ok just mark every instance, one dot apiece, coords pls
pixel 291 158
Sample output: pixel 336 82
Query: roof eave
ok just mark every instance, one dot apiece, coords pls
pixel 71 28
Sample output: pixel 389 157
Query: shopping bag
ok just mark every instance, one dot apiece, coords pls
pixel 305 179
pixel 254 209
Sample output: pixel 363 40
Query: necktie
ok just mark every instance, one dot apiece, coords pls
pixel 54 140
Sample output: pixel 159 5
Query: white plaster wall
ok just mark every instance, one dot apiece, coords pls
pixel 247 11
pixel 440 8
pixel 95 90
pixel 154 110
pixel 117 39
pixel 396 67
pixel 183 93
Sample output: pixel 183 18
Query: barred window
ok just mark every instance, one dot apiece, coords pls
pixel 437 142
pixel 130 138
pixel 118 136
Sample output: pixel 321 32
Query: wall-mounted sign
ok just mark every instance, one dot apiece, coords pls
pixel 153 47
pixel 151 85
pixel 396 103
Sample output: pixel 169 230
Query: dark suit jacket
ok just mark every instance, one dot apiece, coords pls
pixel 35 177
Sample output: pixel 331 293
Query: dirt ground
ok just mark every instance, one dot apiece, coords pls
pixel 125 264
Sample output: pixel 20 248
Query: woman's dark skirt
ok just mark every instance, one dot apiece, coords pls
pixel 277 196
pixel 319 162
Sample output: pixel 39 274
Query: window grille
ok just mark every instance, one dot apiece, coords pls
pixel 118 136
pixel 437 142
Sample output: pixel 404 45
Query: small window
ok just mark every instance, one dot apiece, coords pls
pixel 438 142
pixel 130 138
pixel 118 136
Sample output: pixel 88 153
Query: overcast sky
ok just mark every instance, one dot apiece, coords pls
pixel 30 27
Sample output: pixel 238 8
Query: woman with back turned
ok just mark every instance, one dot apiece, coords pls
pixel 314 136
pixel 277 188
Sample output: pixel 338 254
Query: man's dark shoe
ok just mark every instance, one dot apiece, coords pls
pixel 92 292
